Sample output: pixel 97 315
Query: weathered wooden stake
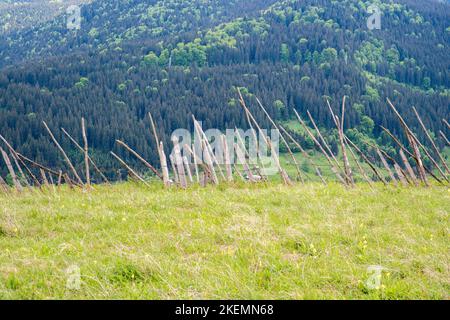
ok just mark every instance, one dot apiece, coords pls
pixel 386 165
pixel 148 165
pixel 86 154
pixel 411 138
pixel 194 156
pixel 401 175
pixel 446 123
pixel 371 165
pixel 44 178
pixel 406 151
pixel 347 168
pixel 436 149
pixel 179 162
pixel 69 181
pixel 420 166
pixel 174 169
pixel 209 162
pixel 291 154
pixel 241 157
pixel 16 156
pixel 202 134
pixel 281 171
pixel 63 153
pixel 340 128
pixel 387 156
pixel 161 153
pixel 408 167
pixel 361 169
pixel 90 159
pixel 60 176
pixel 19 168
pixel 258 149
pixel 226 154
pixel 305 154
pixel 11 170
pixel 333 168
pixel 322 139
pixel 123 163
pixel 444 137
pixel 3 185
pixel 188 169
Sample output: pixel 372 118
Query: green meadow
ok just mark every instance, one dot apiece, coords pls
pixel 128 241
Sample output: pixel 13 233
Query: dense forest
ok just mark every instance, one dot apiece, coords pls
pixel 177 58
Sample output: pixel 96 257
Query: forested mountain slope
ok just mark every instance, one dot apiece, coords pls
pixel 177 58
pixel 22 14
pixel 108 23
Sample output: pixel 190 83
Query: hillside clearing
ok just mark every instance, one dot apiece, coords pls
pixel 229 242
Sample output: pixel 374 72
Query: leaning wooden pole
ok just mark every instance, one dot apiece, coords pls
pixel 148 165
pixel 436 149
pixel 174 169
pixel 164 166
pixel 305 154
pixel 89 157
pixel 16 155
pixel 406 151
pixel 209 162
pixel 261 171
pixel 322 139
pixel 282 172
pixel 333 168
pixel 291 154
pixel 411 138
pixel 386 166
pixel 420 165
pixel 341 134
pixel 347 168
pixel 3 185
pixel 194 156
pixel 11 170
pixel 446 123
pixel 226 154
pixel 44 178
pixel 179 162
pixel 408 167
pixel 361 169
pixel 37 165
pixel 435 164
pixel 86 153
pixel 241 157
pixel 161 154
pixel 387 156
pixel 401 175
pixel 188 169
pixel 19 168
pixel 208 146
pixel 371 165
pixel 444 137
pixel 130 170
pixel 63 153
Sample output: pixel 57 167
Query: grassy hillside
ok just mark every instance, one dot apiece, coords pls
pixel 230 242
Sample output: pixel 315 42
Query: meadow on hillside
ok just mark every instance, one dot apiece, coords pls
pixel 230 242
